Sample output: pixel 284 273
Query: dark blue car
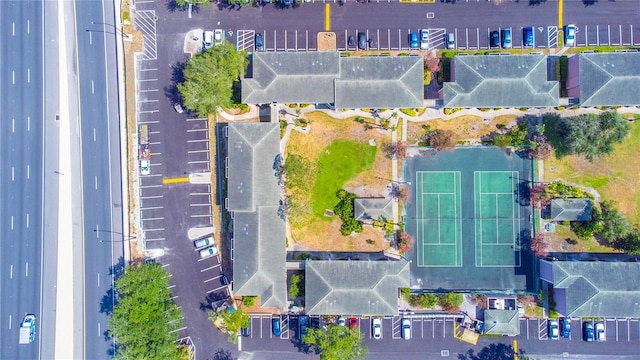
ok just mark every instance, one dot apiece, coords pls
pixel 275 323
pixel 565 324
pixel 527 36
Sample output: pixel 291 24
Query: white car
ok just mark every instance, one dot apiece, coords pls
pixel 204 242
pixel 207 39
pixel 208 252
pixel 341 321
pixel 406 329
pixel 376 328
pixel 144 167
pixel 570 35
pixel 218 37
pixel 600 336
pixel 424 39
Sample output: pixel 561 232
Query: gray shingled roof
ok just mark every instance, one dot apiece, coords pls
pixel 609 79
pixel 259 255
pixel 571 209
pixel 372 208
pixel 504 81
pixel 354 287
pixel 253 150
pixel 599 288
pixel 325 77
pixel 502 322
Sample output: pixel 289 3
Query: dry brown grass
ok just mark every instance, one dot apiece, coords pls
pixel 326 41
pixel 324 234
pixel 465 126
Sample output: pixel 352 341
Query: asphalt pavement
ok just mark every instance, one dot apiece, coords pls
pixel 102 228
pixel 22 105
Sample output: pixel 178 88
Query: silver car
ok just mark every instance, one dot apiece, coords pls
pixel 204 242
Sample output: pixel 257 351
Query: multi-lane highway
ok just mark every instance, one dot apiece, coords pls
pixel 22 177
pixel 101 176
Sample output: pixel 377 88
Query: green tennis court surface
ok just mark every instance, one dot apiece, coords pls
pixel 497 218
pixel 438 217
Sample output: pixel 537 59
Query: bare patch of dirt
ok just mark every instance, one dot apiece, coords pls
pixel 327 41
pixel 465 126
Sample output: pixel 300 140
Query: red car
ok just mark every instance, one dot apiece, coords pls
pixel 353 323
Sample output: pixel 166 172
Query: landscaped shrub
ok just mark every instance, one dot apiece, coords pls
pixel 408 111
pixel 296 288
pixel 345 54
pixel 451 301
pixel 502 140
pixel 249 301
pixel 405 242
pixel 523 109
pixel 484 109
pixel 447 111
pixel 539 245
pixel 344 209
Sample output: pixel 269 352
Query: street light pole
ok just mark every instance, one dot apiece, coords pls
pixel 117 29
pixel 124 237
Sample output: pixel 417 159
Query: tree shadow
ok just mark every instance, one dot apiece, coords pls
pixel 177 76
pixel 533 3
pixel 222 354
pixel 491 352
pixel 173 6
pixel 589 2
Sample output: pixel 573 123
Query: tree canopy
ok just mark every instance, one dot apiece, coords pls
pixel 336 343
pixel 591 135
pixel 234 320
pixel 209 78
pixel 145 315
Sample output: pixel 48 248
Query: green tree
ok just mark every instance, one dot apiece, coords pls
pixel 249 301
pixel 614 224
pixel 586 229
pixel 630 242
pixel 145 317
pixel 336 343
pixel 451 301
pixel 428 301
pixel 592 135
pixel 209 78
pixel 297 286
pixel 234 320
pixel 183 3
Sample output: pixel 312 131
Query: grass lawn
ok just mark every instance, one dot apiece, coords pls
pixel 615 176
pixel 338 163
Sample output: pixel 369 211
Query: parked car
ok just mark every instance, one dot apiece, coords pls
pixel 376 328
pixel 450 40
pixel 353 323
pixel 218 36
pixel 413 41
pixel 178 108
pixel 424 39
pixel 316 323
pixel 494 39
pixel 341 321
pixel 570 35
pixel 554 329
pixel 588 331
pixel 406 329
pixel 600 335
pixel 506 38
pixel 144 167
pixel 207 39
pixel 527 36
pixel 258 42
pixel 303 324
pixel 204 242
pixel 208 252
pixel 566 327
pixel 275 325
pixel 245 332
pixel 286 3
pixel 362 41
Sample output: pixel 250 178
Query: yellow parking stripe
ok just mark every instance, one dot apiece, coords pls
pixel 175 180
pixel 327 17
pixel 560 14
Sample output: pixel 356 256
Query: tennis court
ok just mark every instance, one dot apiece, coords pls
pixel 438 218
pixel 497 218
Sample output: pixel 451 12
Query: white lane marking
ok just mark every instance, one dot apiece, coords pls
pixel 99 332
pixel 9 321
pixel 93 90
pixel 96 181
pixel 13 29
pixel 98 279
pixel 90 38
pixel 28 75
pixel 28 26
pixel 10 276
pixel 97 231
pixel 196 141
pixel 26 268
pixel 13 76
pixel 28 172
pixel 27 221
pixel 12 173
pixel 11 222
pixel 94 134
pixel 13 125
pixel 210 268
pixel 28 123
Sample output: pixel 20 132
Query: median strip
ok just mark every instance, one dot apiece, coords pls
pixel 175 180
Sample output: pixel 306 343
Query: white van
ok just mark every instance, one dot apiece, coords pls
pixel 406 329
pixel 208 39
pixel 451 41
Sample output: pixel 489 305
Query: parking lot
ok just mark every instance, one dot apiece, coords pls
pixel 621 330
pixel 465 38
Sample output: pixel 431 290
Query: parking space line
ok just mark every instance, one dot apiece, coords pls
pixel 197 119
pixel 149 186
pixel 175 180
pixel 216 289
pixel 156 229
pixel 152 208
pixel 199 204
pixel 213 278
pixel 148 122
pixel 210 268
pixel 196 141
pixel 151 197
pixel 148 90
pixel 197 151
pixel 153 239
pixel 153 219
pixel 196 130
pixel 148 111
